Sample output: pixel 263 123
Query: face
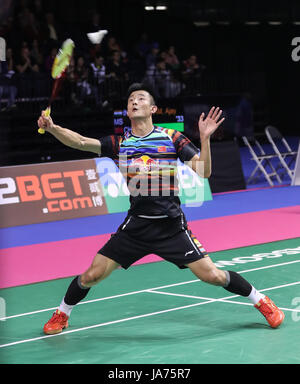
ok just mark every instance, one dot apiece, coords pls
pixel 99 60
pixel 80 61
pixel 116 56
pixel 140 105
pixel 193 60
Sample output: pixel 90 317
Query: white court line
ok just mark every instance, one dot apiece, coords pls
pixel 209 300
pixel 101 299
pixel 142 291
pixel 108 323
pixel 226 299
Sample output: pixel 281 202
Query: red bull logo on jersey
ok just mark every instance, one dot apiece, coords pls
pixel 145 164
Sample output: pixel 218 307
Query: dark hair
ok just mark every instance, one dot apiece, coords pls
pixel 141 87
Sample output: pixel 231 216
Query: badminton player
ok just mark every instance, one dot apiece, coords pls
pixel 155 223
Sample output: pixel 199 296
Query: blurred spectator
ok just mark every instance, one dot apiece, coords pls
pixel 143 46
pixel 111 66
pixel 25 63
pixel 36 53
pixel 192 74
pixel 31 26
pixel 116 68
pixel 162 56
pixel 191 66
pixel 31 81
pixel 8 88
pixel 172 59
pixel 81 77
pixel 97 76
pixel 51 28
pixel 162 79
pixel 151 60
pixel 69 88
pixel 176 86
pixel 96 50
pixel 112 45
pixel 164 82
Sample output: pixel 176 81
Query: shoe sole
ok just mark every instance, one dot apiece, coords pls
pixel 280 321
pixel 56 331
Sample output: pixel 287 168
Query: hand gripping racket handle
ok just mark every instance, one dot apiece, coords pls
pixel 46 113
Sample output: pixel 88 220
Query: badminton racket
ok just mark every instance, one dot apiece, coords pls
pixel 59 66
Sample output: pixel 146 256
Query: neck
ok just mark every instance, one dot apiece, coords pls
pixel 141 127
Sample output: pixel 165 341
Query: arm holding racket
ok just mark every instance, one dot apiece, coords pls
pixel 67 137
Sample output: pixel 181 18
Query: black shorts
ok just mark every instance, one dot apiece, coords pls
pixel 169 238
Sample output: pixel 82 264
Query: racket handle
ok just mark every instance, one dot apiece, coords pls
pixel 46 113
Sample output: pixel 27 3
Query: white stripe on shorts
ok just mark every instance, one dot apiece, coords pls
pixel 191 240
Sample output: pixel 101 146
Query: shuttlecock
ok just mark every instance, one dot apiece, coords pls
pixel 97 37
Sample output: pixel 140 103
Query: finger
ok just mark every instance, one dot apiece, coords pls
pixel 42 126
pixel 210 112
pixel 201 116
pixel 218 115
pixel 220 122
pixel 40 121
pixel 215 113
pixel 46 119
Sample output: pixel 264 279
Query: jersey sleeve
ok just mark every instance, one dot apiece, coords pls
pixel 185 149
pixel 110 146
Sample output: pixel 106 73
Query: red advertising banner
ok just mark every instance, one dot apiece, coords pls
pixel 49 192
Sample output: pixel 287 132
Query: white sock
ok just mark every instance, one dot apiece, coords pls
pixel 255 296
pixel 67 309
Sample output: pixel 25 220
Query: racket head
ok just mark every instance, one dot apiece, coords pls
pixel 62 59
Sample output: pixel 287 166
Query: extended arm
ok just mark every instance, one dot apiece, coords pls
pixel 70 138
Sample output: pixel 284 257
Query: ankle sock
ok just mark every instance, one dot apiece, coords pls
pixel 67 309
pixel 255 296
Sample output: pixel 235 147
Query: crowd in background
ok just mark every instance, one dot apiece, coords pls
pixel 97 71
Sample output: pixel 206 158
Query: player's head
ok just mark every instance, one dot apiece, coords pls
pixel 140 101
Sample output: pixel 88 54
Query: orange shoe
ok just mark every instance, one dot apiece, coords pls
pixel 273 314
pixel 57 323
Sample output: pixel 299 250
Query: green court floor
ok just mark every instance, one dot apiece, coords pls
pixel 158 314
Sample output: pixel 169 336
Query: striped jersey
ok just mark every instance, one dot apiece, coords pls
pixel 149 165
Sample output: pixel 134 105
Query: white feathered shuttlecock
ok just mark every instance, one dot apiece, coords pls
pixel 97 37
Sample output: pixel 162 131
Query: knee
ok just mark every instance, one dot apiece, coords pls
pixel 90 278
pixel 215 277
